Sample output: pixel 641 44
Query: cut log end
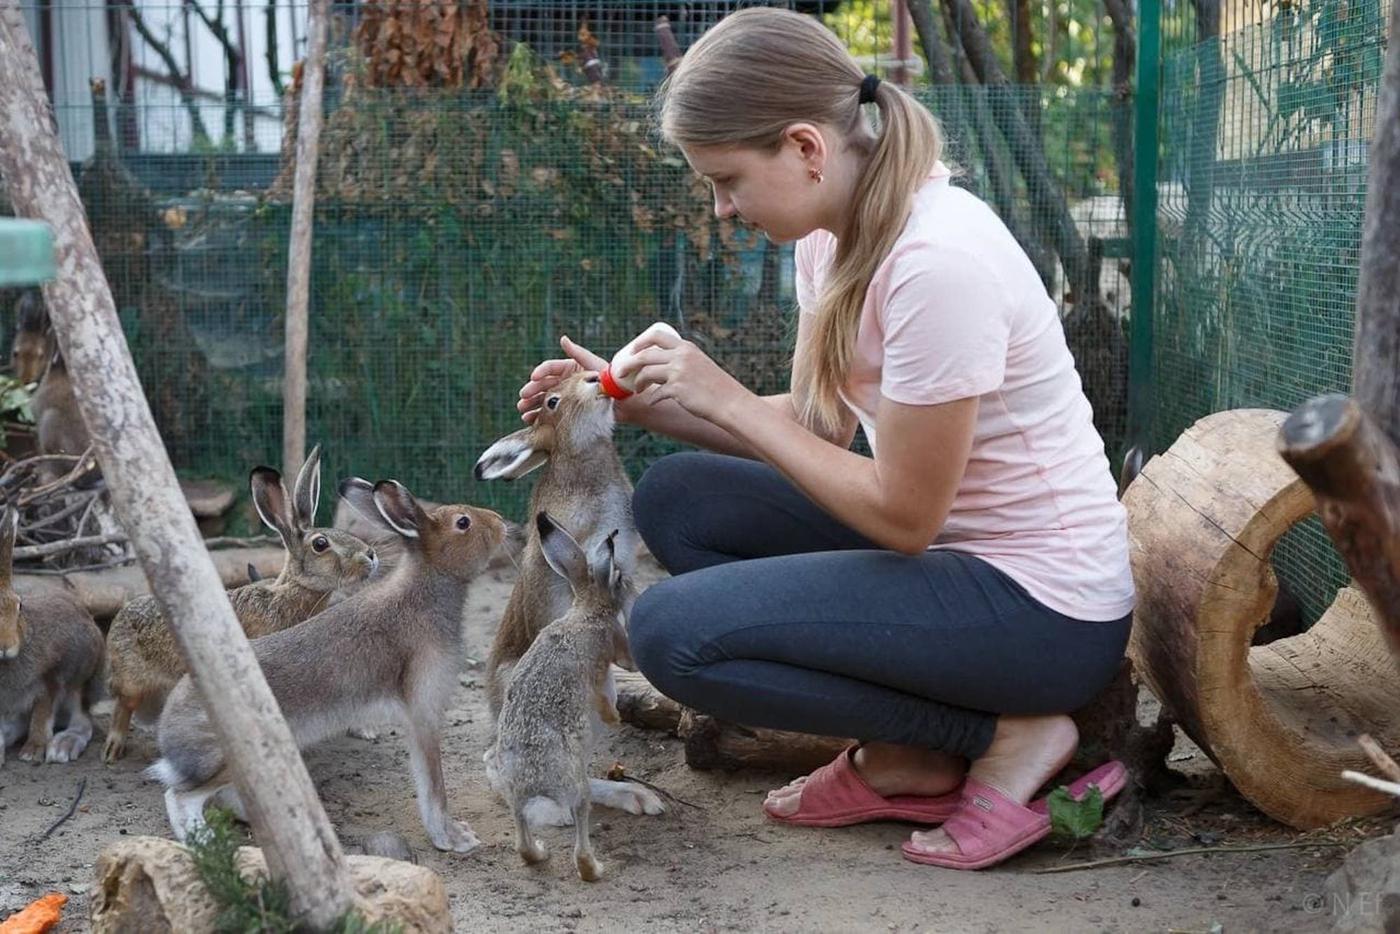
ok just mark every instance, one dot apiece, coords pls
pixel 1280 719
pixel 1319 421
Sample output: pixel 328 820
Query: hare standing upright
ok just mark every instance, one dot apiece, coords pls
pixel 144 659
pixel 59 427
pixel 50 665
pixel 557 692
pixel 393 650
pixel 584 487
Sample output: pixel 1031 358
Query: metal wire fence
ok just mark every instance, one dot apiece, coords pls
pixel 460 230
pixel 1266 115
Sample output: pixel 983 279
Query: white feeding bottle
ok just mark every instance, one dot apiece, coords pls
pixel 624 386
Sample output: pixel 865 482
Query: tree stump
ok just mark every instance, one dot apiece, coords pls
pixel 1281 719
pixel 147 884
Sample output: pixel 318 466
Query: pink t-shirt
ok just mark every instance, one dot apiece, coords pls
pixel 957 310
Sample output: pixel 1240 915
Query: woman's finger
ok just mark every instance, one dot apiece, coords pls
pixel 659 339
pixel 652 356
pixel 553 369
pixel 582 355
pixel 654 374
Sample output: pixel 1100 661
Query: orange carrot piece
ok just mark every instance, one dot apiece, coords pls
pixel 39 917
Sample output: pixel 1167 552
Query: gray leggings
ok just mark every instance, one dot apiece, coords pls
pixel 779 616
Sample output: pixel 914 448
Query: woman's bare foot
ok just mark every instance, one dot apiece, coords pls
pixel 889 770
pixel 1025 753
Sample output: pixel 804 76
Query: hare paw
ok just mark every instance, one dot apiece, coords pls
pixel 625 796
pixel 33 751
pixel 456 837
pixel 114 748
pixel 364 732
pixel 67 746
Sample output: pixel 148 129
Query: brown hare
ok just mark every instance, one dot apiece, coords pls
pixel 50 665
pixel 393 650
pixel 583 485
pixel 558 692
pixel 142 654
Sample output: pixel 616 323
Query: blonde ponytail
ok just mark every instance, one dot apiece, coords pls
pixel 749 78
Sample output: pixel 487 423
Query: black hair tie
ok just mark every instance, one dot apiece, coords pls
pixel 867 89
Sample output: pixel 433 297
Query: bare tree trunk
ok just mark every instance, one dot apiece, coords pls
pixel 274 68
pixel 181 78
pixel 1047 200
pixel 976 119
pixel 299 250
pixel 287 816
pixel 1354 471
pixel 1348 454
pixel 244 78
pixel 1093 333
pixel 1124 62
pixel 1205 124
pixel 1023 64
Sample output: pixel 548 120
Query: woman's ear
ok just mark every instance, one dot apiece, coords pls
pixel 809 141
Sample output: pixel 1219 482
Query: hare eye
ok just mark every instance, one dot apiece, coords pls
pixel 320 543
pixel 464 523
pixel 552 403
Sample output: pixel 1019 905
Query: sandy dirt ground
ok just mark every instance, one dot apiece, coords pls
pixel 712 865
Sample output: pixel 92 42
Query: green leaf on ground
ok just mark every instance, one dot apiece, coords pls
pixel 1075 820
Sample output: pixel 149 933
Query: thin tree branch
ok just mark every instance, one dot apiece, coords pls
pixel 181 79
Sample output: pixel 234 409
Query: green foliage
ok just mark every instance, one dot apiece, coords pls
pixel 251 907
pixel 1075 820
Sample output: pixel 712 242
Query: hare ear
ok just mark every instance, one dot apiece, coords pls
pixel 272 503
pixel 307 490
pixel 9 528
pixel 359 493
pixel 602 560
pixel 399 509
pixel 561 551
pixel 512 457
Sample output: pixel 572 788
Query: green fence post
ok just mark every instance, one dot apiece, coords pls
pixel 1141 392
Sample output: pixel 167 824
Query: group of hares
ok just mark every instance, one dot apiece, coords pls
pixel 363 626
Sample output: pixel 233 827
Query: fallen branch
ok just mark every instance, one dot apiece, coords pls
pixel 71 544
pixel 1375 784
pixel 1189 851
pixel 1378 757
pixel 225 541
pixel 72 808
pixel 85 464
pixel 83 501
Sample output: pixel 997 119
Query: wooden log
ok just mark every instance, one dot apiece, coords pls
pixel 1354 472
pixel 299 247
pixel 642 705
pixel 266 765
pixel 716 744
pixel 1280 719
pixel 105 592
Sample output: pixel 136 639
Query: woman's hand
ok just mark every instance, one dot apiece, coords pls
pixel 667 367
pixel 551 373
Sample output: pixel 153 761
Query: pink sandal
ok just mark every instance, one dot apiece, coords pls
pixel 989 827
pixel 836 796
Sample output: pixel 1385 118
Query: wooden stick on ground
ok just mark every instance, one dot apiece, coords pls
pixel 1378 757
pixel 1189 851
pixel 301 848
